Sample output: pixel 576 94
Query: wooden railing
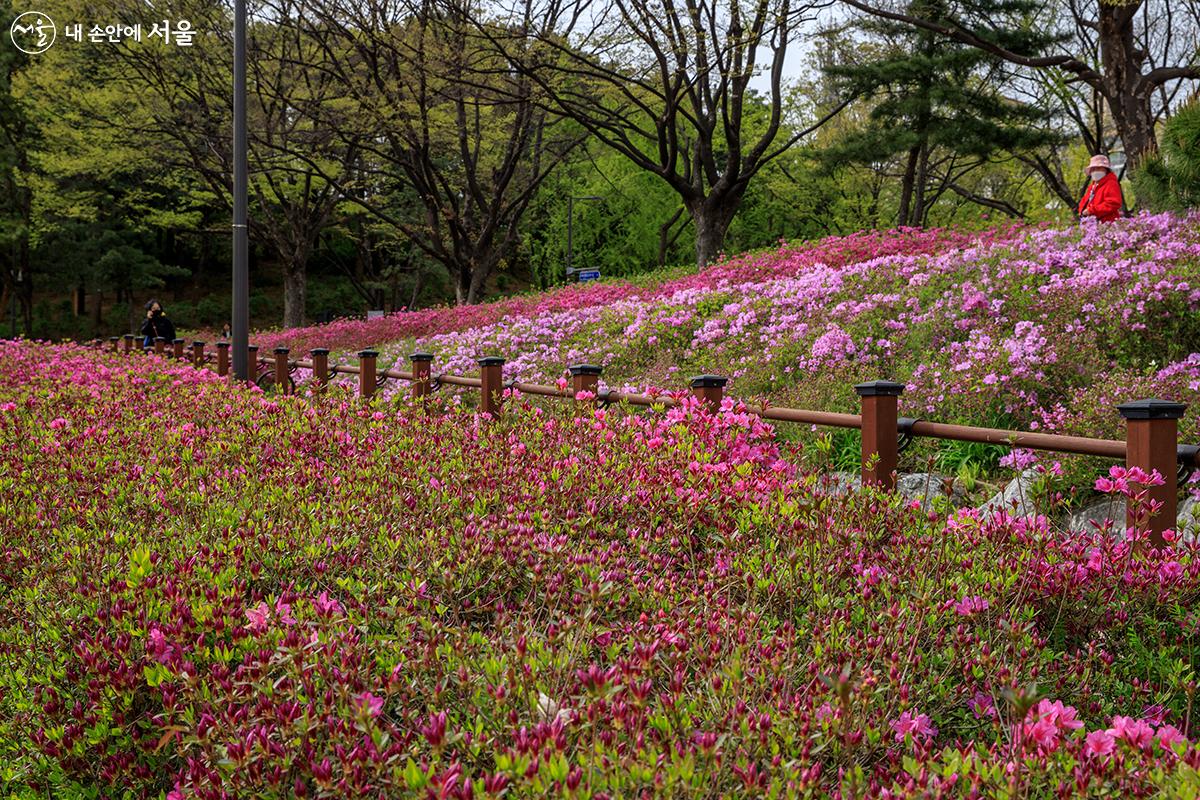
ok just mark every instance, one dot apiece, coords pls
pixel 1151 440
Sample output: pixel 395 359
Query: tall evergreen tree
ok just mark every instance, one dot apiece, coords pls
pixel 938 108
pixel 1170 179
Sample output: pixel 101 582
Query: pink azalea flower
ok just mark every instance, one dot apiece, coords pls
pixel 971 605
pixel 325 606
pixel 157 647
pixel 1098 743
pixel 370 703
pixel 258 617
pixel 284 612
pixel 1064 717
pixel 1169 736
pixel 1135 731
pixel 983 706
pixel 1044 732
pixel 918 725
pixel 1170 571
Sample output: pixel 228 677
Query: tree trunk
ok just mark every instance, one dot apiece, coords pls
pixel 906 187
pixel 664 236
pixel 711 218
pixel 1127 92
pixel 416 292
pixel 475 275
pixel 917 215
pixel 295 284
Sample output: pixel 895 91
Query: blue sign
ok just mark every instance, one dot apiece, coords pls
pixel 589 275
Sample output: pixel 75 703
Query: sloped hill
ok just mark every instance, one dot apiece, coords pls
pixel 1038 328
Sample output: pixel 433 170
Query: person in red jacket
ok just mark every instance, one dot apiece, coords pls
pixel 1102 199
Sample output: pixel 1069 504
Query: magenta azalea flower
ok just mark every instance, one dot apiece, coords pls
pixel 918 725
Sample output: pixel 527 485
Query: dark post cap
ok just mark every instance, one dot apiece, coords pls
pixel 115 338
pixel 879 389
pixel 491 361
pixel 223 344
pixel 708 381
pixel 320 351
pixel 252 346
pixel 421 357
pixel 585 369
pixel 160 339
pixel 197 342
pixel 367 353
pixel 281 351
pixel 1152 409
pixel 177 341
pixel 129 336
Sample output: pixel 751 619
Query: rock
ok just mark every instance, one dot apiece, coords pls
pixel 1017 498
pixel 838 483
pixel 1187 520
pixel 1092 517
pixel 924 486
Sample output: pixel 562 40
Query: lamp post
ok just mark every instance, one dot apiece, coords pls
pixel 12 308
pixel 241 271
pixel 571 227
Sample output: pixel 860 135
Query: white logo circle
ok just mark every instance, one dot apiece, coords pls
pixel 32 32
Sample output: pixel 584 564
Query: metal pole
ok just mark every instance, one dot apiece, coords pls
pixel 570 230
pixel 12 307
pixel 241 272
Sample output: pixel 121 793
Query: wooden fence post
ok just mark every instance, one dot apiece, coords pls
pixel 320 362
pixel 491 387
pixel 128 343
pixel 367 376
pixel 160 345
pixel 880 448
pixel 177 349
pixel 584 378
pixel 421 366
pixel 281 370
pixel 112 343
pixel 710 389
pixel 1151 443
pixel 197 354
pixel 251 362
pixel 223 359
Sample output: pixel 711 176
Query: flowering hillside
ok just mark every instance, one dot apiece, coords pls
pixel 208 592
pixel 1045 329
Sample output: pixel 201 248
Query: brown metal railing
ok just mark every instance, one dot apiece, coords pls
pixel 1151 441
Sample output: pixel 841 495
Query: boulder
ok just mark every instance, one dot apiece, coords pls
pixel 1016 498
pixel 838 483
pixel 924 486
pixel 1092 517
pixel 1187 520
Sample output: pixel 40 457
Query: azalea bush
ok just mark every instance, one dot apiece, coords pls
pixel 1028 328
pixel 210 592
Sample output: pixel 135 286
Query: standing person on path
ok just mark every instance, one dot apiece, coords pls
pixel 1102 199
pixel 156 325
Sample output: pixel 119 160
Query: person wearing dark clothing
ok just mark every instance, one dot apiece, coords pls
pixel 156 325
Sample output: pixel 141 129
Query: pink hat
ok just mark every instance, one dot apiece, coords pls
pixel 1098 161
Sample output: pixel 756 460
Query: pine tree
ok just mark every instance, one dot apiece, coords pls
pixel 1170 180
pixel 937 110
